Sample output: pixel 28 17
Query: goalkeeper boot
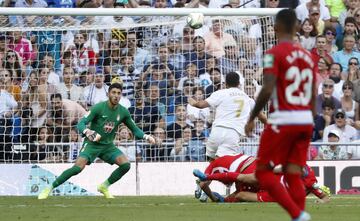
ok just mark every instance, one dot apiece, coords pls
pixel 304 216
pixel 45 193
pixel 200 175
pixel 105 191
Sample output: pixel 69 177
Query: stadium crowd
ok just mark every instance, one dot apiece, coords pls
pixel 50 78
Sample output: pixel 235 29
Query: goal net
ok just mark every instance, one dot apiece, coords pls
pixel 56 67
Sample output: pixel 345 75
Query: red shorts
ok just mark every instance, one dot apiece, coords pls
pixel 264 196
pixel 284 144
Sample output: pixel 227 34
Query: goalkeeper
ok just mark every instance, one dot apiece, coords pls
pixel 103 119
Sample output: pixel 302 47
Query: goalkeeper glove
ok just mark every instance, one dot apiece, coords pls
pixel 325 190
pixel 150 139
pixel 92 135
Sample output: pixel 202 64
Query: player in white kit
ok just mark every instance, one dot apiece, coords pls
pixel 232 106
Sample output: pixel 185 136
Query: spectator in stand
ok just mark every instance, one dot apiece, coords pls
pixel 196 146
pixel 347 133
pixel 314 17
pixel 145 115
pixel 350 106
pixel 195 113
pixel 346 53
pixel 38 92
pixel 327 92
pixel 330 34
pixel 161 151
pixel 179 152
pixel 28 20
pixel 217 83
pixel 63 115
pixel 335 75
pixel 8 106
pixel 320 50
pixel 175 129
pixel 230 61
pixel 23 47
pixel 190 74
pixel 155 100
pixel 68 89
pixel 96 92
pixel 161 76
pixel 205 79
pixel 123 137
pixel 187 40
pixel 115 20
pixel 350 28
pixel 302 11
pixel 13 64
pixel 48 62
pixel 349 12
pixel 324 119
pixel 109 58
pixel 175 58
pixel 49 42
pixel 215 39
pixel 323 71
pixel 129 76
pixel 198 55
pixel 335 8
pixel 43 151
pixel 84 57
pixel 141 56
pixel 251 52
pixel 356 82
pixel 353 152
pixel 333 151
pixel 308 33
pixel 353 70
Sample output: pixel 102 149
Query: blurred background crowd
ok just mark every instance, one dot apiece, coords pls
pixel 54 68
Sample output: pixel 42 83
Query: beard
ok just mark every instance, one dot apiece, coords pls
pixel 79 46
pixel 336 79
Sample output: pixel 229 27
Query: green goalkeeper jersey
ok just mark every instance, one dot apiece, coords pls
pixel 105 121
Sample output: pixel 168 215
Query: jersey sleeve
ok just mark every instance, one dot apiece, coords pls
pixel 128 121
pixel 90 116
pixel 215 99
pixel 270 62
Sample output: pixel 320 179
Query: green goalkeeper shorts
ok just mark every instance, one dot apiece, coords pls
pixel 106 153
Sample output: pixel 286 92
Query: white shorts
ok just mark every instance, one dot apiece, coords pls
pixel 222 141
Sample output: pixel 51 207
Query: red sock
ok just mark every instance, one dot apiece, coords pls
pixel 228 177
pixel 271 183
pixel 231 200
pixel 296 189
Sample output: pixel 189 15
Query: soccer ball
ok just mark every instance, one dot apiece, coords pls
pixel 195 20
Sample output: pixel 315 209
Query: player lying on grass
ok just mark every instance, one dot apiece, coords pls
pixel 103 119
pixel 240 170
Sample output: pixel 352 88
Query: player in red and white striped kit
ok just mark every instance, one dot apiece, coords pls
pixel 289 79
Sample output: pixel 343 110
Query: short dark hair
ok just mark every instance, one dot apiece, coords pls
pixel 115 85
pixel 214 69
pixel 288 19
pixel 335 63
pixel 232 79
pixel 56 95
pixel 328 103
pixel 350 20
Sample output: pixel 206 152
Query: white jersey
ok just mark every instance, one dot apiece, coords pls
pixel 233 107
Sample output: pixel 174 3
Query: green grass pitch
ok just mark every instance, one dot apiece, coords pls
pixel 164 208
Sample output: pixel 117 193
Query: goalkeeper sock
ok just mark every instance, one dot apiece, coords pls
pixel 118 173
pixel 296 189
pixel 66 175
